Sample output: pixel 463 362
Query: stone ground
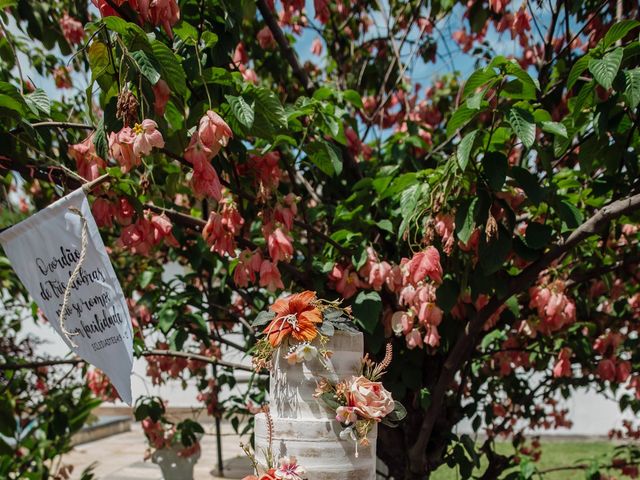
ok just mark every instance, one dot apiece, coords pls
pixel 121 457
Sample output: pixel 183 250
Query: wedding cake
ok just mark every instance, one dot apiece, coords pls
pixel 301 426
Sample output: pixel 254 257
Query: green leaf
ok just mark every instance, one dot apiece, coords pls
pixel 10 99
pixel 605 69
pixel 530 84
pixel 241 110
pixel 98 55
pixel 495 165
pixel 100 140
pixel 7 3
pixel 269 105
pixel 263 318
pixel 325 156
pixel 146 66
pixel 538 235
pixel 632 87
pixel 210 39
pixel 38 102
pixel 385 225
pixel 493 254
pixel 366 310
pixel 465 219
pixel 186 32
pixel 474 102
pixel 529 183
pixel 166 319
pixel 353 98
pixel 447 295
pixel 464 149
pixel 523 125
pixel 460 118
pixel 170 68
pixel 556 128
pixel 476 80
pixel 580 66
pixel 619 31
pixel 570 215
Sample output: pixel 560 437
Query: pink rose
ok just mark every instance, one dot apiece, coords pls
pixel 370 400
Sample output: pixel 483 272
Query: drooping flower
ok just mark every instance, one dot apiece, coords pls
pixel 121 148
pixel 214 131
pixel 296 316
pixel 562 367
pixel 147 137
pixel 103 212
pixel 62 77
pixel 270 276
pixel 322 10
pixel 345 281
pixel 222 228
pixel 425 264
pixel 88 163
pixel 161 94
pixel 72 29
pixel 279 245
pixel 265 39
pixel 316 47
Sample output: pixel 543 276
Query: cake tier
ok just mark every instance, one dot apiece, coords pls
pixel 292 386
pixel 318 448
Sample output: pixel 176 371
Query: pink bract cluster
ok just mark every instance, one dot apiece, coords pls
pixel 163 13
pixel 72 29
pixel 414 283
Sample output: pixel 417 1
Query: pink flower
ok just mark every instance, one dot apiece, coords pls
pixel 344 280
pixel 279 245
pixel 162 94
pixel 222 228
pixel 562 367
pixel 88 163
pixel 623 370
pixel 425 264
pixel 370 400
pixel 214 132
pixel 346 415
pixel 286 213
pixel 432 337
pixel 121 148
pixel 402 322
pixel 249 75
pixel 322 10
pixel 265 39
pixel 288 469
pixel 413 339
pixel 445 228
pixel 316 47
pixel 606 370
pixel 270 276
pixel 248 265
pixel 147 137
pixel 124 211
pixel 429 314
pixel 165 13
pixel 62 77
pixel 103 212
pixel 105 9
pixel 206 183
pixel 72 29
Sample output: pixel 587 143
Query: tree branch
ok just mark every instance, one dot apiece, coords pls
pixel 288 53
pixel 467 341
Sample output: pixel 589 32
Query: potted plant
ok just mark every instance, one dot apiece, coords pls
pixel 174 447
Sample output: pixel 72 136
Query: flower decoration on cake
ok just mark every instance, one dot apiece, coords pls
pixel 287 467
pixel 361 401
pixel 302 322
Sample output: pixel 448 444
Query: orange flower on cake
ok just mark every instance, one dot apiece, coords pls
pixel 296 316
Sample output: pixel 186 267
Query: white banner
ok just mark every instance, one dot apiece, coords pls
pixel 46 251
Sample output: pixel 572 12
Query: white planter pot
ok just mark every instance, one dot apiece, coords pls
pixel 173 466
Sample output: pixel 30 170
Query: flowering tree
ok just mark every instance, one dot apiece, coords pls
pixel 487 224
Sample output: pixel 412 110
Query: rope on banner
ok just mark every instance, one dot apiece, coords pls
pixel 74 275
